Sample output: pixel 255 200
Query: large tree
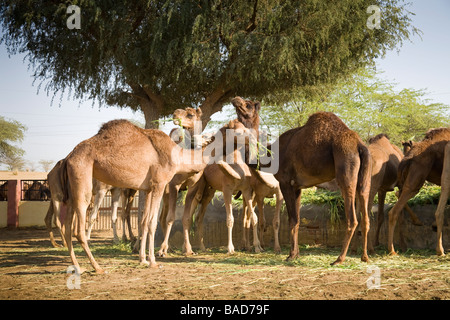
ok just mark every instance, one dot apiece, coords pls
pixel 157 56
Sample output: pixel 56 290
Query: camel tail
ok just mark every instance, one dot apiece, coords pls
pixel 64 180
pixel 364 174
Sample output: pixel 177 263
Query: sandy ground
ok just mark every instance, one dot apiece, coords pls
pixel 31 269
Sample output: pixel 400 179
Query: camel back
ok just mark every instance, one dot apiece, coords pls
pixel 428 151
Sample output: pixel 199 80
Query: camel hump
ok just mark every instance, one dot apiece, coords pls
pixel 437 134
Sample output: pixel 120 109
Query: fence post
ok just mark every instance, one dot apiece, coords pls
pixel 14 196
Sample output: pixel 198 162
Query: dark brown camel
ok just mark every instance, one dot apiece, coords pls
pixel 321 150
pixel 445 194
pixel 386 158
pixel 422 163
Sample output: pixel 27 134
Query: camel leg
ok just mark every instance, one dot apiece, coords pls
pixel 445 194
pixel 276 223
pixel 380 216
pixel 261 219
pixel 245 228
pixel 364 200
pixel 68 219
pixel 230 219
pixel 165 219
pixel 292 198
pixel 206 199
pixel 394 215
pixel 193 197
pixel 115 199
pixel 347 183
pixel 149 223
pixel 127 212
pixel 253 218
pixel 48 223
pixel 98 198
pixel 128 197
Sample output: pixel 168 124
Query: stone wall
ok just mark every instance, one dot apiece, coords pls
pixel 315 228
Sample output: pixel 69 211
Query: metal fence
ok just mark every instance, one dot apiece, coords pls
pixel 35 190
pixel 3 190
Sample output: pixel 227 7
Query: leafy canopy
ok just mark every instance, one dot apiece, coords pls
pixel 161 55
pixel 368 104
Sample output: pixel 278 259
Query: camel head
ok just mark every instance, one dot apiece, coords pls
pixel 247 111
pixel 187 118
pixel 407 145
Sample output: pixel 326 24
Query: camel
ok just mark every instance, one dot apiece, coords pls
pixel 385 161
pixel 321 150
pixel 123 155
pixel 190 126
pixel 423 162
pixel 98 193
pixel 231 180
pixel 190 121
pixel 268 188
pixel 445 194
pixel 37 191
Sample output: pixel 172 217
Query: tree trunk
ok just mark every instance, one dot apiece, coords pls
pixel 152 112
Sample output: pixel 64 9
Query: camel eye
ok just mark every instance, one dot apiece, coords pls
pixel 190 116
pixel 249 106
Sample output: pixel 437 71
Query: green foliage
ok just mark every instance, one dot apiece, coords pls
pixel 178 53
pixel 10 131
pixel 367 104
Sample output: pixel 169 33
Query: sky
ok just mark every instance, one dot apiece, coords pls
pixel 54 129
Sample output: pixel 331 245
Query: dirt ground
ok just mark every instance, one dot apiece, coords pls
pixel 31 269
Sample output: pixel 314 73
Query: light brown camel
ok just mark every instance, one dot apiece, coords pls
pixel 125 156
pixel 321 150
pixel 190 126
pixel 190 121
pixel 216 178
pixel 423 162
pixel 56 203
pixel 269 188
pixel 445 194
pixel 99 190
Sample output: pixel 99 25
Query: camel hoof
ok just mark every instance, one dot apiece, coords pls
pixel 338 261
pixel 258 249
pixel 393 253
pixel 144 263
pixel 154 265
pixel 162 254
pixel 190 253
pixel 100 271
pixel 365 258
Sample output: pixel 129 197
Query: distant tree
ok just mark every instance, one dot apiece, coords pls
pixel 157 56
pixel 368 104
pixel 14 163
pixel 11 131
pixel 46 165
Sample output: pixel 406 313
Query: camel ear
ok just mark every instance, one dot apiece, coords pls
pixel 257 105
pixel 199 112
